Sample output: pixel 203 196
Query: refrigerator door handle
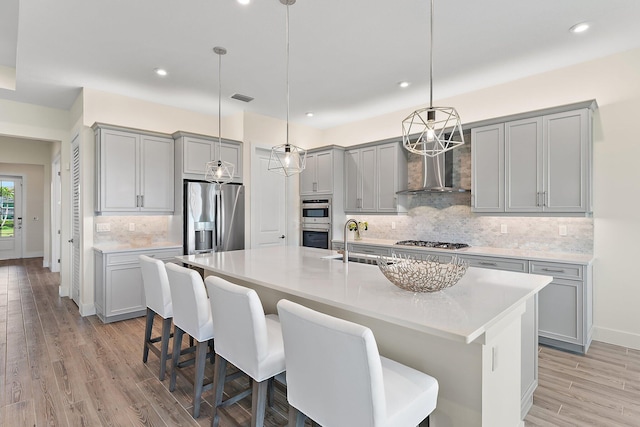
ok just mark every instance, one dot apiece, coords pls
pixel 219 221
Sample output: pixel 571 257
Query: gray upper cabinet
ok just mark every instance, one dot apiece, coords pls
pixel 534 165
pixel 318 175
pixel 487 168
pixel 134 171
pixel 196 150
pixel 373 175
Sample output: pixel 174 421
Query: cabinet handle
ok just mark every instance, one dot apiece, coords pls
pixel 395 202
pixel 142 201
pixel 367 251
pixel 137 201
pixel 552 270
pixel 538 198
pixel 492 264
pixel 315 186
pixel 544 198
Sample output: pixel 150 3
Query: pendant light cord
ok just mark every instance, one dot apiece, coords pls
pixel 431 59
pixel 219 106
pixel 287 35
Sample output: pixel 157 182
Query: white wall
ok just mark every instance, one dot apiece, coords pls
pixel 615 83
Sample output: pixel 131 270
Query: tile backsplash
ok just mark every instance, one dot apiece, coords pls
pixel 448 217
pixel 135 230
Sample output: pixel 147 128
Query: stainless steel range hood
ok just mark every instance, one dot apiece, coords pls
pixel 437 176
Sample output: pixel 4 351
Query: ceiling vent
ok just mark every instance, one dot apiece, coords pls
pixel 240 97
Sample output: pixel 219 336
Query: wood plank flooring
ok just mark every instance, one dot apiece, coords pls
pixel 60 369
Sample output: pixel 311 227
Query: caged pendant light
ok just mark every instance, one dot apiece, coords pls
pixel 432 131
pixel 287 159
pixel 219 171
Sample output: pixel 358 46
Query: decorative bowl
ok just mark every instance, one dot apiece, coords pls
pixel 424 274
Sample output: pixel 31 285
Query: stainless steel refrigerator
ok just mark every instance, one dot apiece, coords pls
pixel 213 217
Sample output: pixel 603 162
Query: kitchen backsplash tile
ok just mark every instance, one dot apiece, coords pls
pixel 146 230
pixel 448 217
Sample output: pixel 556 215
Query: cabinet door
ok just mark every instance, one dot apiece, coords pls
pixel 231 152
pixel 308 176
pixel 387 177
pixel 156 174
pixel 523 162
pixel 351 172
pixel 125 292
pixel 566 155
pixel 560 311
pixel 196 152
pixel 119 179
pixel 368 187
pixel 487 168
pixel 324 172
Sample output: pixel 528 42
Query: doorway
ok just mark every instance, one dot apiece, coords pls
pixel 10 217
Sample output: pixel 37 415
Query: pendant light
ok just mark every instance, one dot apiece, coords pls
pixel 438 129
pixel 219 171
pixel 287 159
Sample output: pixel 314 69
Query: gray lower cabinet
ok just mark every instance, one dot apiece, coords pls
pixel 119 291
pixel 566 306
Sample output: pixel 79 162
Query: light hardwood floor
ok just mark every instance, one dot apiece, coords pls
pixel 60 369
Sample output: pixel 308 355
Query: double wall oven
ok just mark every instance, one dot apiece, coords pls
pixel 316 222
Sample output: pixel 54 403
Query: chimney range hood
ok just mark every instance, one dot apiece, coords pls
pixel 437 176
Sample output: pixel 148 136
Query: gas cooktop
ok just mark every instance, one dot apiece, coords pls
pixel 428 244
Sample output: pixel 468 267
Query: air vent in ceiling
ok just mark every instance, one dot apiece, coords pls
pixel 240 97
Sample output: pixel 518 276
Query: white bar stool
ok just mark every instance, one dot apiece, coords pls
pixel 246 338
pixel 158 300
pixel 336 377
pixel 191 315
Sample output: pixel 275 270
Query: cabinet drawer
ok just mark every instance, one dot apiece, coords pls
pixel 132 257
pixel 518 265
pixel 370 250
pixel 567 271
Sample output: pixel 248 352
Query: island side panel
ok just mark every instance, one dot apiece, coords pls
pixel 463 371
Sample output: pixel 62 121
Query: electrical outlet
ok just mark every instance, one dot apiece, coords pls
pixel 393 225
pixel 503 228
pixel 132 226
pixel 103 227
pixel 562 230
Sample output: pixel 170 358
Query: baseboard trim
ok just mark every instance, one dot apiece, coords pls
pixel 87 310
pixel 63 291
pixel 617 337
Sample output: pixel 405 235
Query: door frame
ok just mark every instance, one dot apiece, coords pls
pixel 56 215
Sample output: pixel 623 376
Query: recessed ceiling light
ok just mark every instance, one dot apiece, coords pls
pixel 403 84
pixel 244 1
pixel 160 71
pixel 309 114
pixel 579 28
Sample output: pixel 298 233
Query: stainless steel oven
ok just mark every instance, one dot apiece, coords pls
pixel 316 222
pixel 316 235
pixel 316 211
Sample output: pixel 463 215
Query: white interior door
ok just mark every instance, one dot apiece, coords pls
pixel 10 217
pixel 56 217
pixel 75 223
pixel 268 218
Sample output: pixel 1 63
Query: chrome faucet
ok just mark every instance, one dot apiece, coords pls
pixel 345 254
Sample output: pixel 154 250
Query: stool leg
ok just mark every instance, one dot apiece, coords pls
pixel 258 403
pixel 147 334
pixel 201 358
pixel 164 349
pixel 296 418
pixel 177 344
pixel 270 392
pixel 219 374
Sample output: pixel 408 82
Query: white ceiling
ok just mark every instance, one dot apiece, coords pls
pixel 347 56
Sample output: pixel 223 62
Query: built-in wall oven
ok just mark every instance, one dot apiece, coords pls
pixel 316 222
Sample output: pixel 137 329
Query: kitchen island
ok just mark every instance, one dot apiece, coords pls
pixel 467 336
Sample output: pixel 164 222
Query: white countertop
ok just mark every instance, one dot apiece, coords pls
pixel 462 313
pixel 128 247
pixel 561 257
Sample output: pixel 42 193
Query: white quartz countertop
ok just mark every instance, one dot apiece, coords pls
pixel 462 313
pixel 561 257
pixel 132 246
